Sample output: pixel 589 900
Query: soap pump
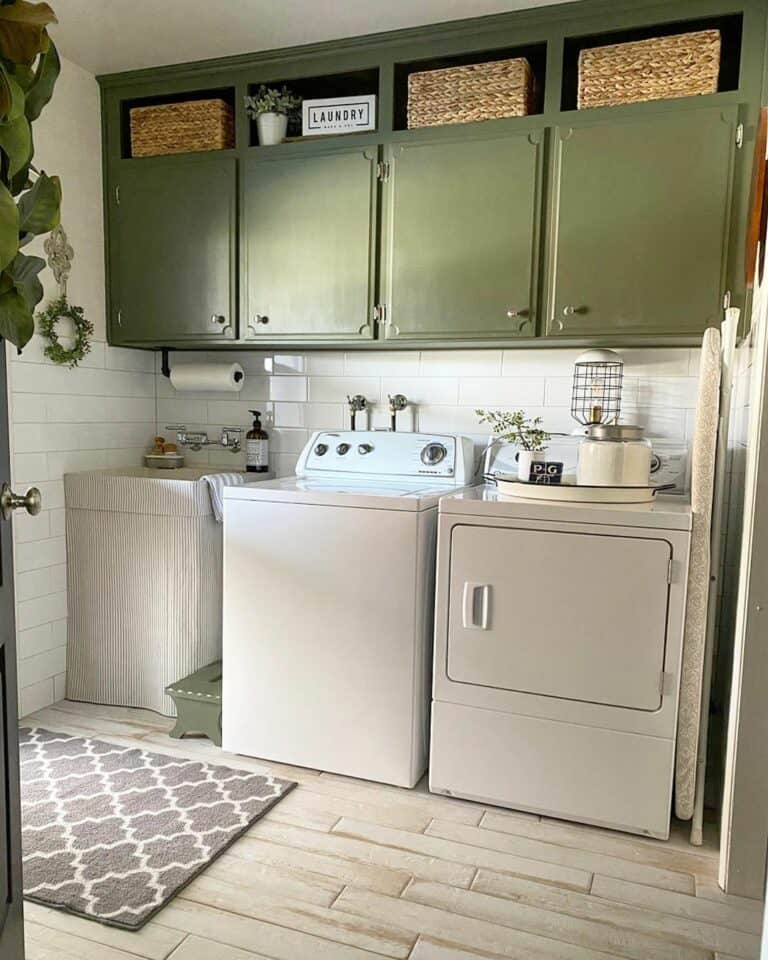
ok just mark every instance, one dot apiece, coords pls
pixel 257 446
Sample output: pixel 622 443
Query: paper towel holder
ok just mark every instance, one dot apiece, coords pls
pixel 165 366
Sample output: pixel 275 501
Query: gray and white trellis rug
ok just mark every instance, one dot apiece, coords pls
pixel 113 833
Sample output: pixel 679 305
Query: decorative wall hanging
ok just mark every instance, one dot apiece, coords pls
pixel 60 255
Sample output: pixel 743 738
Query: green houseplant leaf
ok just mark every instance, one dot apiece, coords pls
pixel 17 322
pixel 39 208
pixel 22 30
pixel 41 89
pixel 11 96
pixel 23 272
pixel 9 227
pixel 16 144
pixel 29 67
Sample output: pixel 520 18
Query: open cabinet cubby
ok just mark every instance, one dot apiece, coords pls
pixel 730 27
pixel 227 94
pixel 353 83
pixel 535 54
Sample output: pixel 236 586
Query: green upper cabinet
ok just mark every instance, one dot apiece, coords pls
pixel 172 250
pixel 308 236
pixel 460 238
pixel 639 217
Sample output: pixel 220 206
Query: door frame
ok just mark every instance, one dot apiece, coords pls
pixel 744 823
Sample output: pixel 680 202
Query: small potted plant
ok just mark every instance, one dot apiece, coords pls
pixel 525 433
pixel 270 108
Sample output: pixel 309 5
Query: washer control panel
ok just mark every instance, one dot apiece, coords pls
pixel 381 454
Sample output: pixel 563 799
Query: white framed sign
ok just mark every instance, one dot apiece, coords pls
pixel 338 115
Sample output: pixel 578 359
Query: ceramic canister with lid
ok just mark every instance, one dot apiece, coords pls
pixel 614 455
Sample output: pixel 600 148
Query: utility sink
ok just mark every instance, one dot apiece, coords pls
pixel 144 571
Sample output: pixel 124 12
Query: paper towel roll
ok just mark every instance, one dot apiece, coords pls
pixel 207 378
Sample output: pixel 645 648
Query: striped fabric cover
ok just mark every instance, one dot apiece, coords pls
pixel 144 564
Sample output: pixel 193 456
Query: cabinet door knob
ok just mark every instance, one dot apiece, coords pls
pixel 517 313
pixel 570 310
pixel 218 319
pixel 260 318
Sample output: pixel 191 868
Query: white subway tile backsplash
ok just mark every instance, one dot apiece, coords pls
pixel 40 553
pixel 313 416
pixel 33 613
pixel 325 364
pixel 287 364
pixel 30 467
pixel 41 667
pixel 461 363
pixel 33 583
pixel 288 441
pixel 288 388
pixel 35 696
pixel 667 392
pixel 422 390
pixel 381 364
pixel 337 389
pixel 508 391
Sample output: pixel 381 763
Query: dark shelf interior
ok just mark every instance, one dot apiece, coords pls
pixel 730 27
pixel 219 93
pixel 535 54
pixel 353 83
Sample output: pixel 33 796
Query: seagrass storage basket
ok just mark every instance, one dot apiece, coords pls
pixel 187 127
pixel 479 91
pixel 661 68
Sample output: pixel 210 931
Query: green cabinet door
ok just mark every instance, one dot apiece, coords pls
pixel 460 239
pixel 639 224
pixel 309 228
pixel 172 250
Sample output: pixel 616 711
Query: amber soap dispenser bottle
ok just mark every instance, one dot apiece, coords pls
pixel 257 446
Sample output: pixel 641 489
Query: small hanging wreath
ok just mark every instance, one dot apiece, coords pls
pixel 47 322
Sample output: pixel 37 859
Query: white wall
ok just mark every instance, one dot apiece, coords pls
pixel 305 391
pixel 98 415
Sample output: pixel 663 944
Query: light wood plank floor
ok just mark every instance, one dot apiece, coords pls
pixel 348 870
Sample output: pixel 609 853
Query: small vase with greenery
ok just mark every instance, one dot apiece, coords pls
pixel 271 108
pixel 524 432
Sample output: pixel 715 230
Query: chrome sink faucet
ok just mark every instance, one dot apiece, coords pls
pixel 231 438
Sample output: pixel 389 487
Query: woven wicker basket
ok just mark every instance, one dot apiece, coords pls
pixel 181 128
pixel 480 91
pixel 658 69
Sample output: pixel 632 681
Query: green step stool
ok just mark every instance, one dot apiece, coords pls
pixel 198 703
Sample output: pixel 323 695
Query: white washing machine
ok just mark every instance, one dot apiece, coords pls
pixel 558 645
pixel 328 604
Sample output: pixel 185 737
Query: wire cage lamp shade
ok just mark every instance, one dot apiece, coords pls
pixel 596 393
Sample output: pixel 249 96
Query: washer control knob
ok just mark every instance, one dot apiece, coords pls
pixel 342 449
pixel 433 454
pixel 321 449
pixel 365 448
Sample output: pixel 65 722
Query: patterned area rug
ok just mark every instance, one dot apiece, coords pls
pixel 113 833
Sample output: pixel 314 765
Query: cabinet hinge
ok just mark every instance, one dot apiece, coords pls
pixel 380 313
pixel 740 136
pixel 726 299
pixel 117 195
pixel 383 170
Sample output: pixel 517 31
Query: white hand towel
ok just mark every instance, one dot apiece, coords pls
pixel 216 483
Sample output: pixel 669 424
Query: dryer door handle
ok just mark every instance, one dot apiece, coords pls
pixel 471 608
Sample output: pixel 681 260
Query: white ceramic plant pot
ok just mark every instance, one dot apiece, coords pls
pixel 524 460
pixel 272 128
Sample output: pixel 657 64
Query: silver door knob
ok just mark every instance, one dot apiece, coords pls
pixel 32 501
pixel 570 310
pixel 218 319
pixel 516 313
pixel 260 318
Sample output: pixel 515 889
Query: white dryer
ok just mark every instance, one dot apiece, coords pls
pixel 558 644
pixel 328 604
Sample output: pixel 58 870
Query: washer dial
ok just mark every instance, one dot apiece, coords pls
pixel 433 454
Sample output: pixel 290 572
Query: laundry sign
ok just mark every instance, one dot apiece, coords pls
pixel 338 115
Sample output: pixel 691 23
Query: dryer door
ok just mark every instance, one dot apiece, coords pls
pixel 569 615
